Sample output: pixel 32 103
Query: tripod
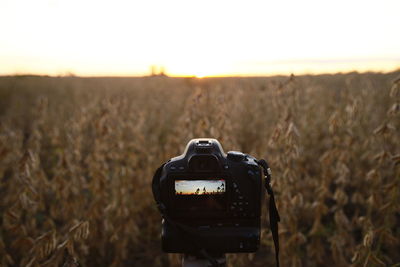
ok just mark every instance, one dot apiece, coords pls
pixel 190 260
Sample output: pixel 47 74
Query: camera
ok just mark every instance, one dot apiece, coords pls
pixel 209 200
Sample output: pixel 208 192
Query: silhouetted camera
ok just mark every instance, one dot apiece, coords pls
pixel 209 200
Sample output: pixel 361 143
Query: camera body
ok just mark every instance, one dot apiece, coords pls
pixel 217 195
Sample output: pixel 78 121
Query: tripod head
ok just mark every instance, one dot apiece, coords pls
pixel 190 260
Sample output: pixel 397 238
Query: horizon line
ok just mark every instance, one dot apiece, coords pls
pixel 235 75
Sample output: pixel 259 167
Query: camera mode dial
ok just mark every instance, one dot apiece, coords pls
pixel 236 156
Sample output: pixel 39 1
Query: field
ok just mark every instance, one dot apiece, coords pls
pixel 77 157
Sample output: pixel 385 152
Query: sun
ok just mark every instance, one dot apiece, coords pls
pixel 196 68
pixel 201 74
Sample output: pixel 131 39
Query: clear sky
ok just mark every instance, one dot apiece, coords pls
pixel 216 37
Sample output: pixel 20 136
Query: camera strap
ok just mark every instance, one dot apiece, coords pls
pixel 273 211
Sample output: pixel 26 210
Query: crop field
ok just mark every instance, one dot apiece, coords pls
pixel 77 156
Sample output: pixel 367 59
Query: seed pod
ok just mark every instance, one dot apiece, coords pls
pixel 355 257
pixel 395 90
pixel 395 109
pixel 341 197
pixel 396 159
pixel 368 239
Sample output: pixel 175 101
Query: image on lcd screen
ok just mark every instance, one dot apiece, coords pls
pixel 199 187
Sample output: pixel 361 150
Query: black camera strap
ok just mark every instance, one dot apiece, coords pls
pixel 273 211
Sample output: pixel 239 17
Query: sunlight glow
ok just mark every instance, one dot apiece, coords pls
pixel 191 38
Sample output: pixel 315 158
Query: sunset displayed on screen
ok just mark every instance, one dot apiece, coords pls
pixel 199 187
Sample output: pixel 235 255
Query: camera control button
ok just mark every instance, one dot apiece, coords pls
pixel 181 168
pixel 173 168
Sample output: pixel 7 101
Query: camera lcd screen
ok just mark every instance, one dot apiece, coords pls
pixel 199 187
pixel 195 195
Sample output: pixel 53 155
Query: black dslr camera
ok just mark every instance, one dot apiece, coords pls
pixel 211 201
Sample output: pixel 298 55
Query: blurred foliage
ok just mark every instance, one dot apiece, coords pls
pixel 77 157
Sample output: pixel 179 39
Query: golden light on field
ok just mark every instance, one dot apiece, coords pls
pixel 207 38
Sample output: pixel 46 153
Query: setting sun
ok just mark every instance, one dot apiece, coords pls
pixel 199 39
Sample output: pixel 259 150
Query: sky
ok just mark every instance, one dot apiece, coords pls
pixel 198 38
pixel 190 186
